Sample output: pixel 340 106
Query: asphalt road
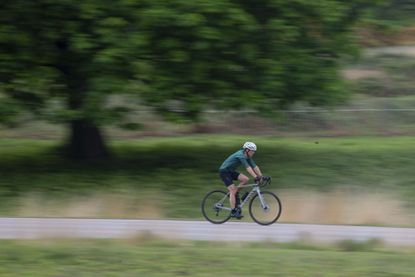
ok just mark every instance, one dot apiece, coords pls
pixel 38 228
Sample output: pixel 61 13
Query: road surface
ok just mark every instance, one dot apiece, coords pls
pixel 38 228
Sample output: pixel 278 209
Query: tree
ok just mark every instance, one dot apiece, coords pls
pixel 263 54
pixel 63 59
pixel 75 52
pixel 395 12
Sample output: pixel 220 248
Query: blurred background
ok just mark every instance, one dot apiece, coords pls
pixel 126 109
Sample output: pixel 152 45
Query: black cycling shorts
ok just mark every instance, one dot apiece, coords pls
pixel 229 176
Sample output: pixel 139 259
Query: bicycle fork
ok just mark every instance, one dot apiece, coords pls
pixel 264 204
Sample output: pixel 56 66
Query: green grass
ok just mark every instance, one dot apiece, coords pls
pixel 144 257
pixel 174 173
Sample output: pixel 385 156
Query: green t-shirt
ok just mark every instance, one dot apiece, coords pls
pixel 236 159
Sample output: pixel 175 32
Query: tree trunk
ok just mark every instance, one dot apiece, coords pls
pixel 86 141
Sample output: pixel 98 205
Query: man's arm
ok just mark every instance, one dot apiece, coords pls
pixel 257 171
pixel 253 172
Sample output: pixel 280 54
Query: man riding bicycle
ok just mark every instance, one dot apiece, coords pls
pixel 228 173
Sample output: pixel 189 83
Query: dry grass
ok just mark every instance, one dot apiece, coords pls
pixel 354 207
pixel 100 205
pixel 358 74
pixel 345 207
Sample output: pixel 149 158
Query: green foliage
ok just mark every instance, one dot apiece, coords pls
pixel 263 55
pixel 222 53
pixel 74 51
pixel 394 13
pixel 8 111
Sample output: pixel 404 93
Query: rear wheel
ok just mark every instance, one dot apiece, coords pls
pixel 268 210
pixel 216 207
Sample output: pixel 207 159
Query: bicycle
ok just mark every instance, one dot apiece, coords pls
pixel 264 206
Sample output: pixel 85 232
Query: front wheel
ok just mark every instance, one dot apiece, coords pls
pixel 266 208
pixel 216 207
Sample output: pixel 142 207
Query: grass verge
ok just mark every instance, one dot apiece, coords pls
pixel 151 257
pixel 167 177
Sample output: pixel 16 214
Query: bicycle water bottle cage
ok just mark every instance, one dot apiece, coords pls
pixel 245 195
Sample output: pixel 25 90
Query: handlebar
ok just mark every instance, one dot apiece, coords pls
pixel 264 181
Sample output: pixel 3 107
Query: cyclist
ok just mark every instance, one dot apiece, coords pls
pixel 228 173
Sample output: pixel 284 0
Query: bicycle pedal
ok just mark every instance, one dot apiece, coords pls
pixel 237 216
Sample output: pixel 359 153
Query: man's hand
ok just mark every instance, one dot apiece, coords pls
pixel 258 179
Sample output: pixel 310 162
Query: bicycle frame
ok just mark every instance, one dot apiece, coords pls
pixel 255 190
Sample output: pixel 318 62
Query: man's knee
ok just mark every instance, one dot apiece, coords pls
pixel 232 189
pixel 244 180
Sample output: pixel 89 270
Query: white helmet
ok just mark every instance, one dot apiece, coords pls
pixel 249 145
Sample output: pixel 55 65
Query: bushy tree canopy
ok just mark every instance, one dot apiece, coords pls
pixel 62 59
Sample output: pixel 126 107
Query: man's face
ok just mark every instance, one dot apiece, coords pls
pixel 250 153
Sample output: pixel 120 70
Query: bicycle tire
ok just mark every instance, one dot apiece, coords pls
pixel 262 216
pixel 214 214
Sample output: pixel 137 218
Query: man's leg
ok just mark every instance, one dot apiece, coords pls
pixel 236 212
pixel 243 180
pixel 232 192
